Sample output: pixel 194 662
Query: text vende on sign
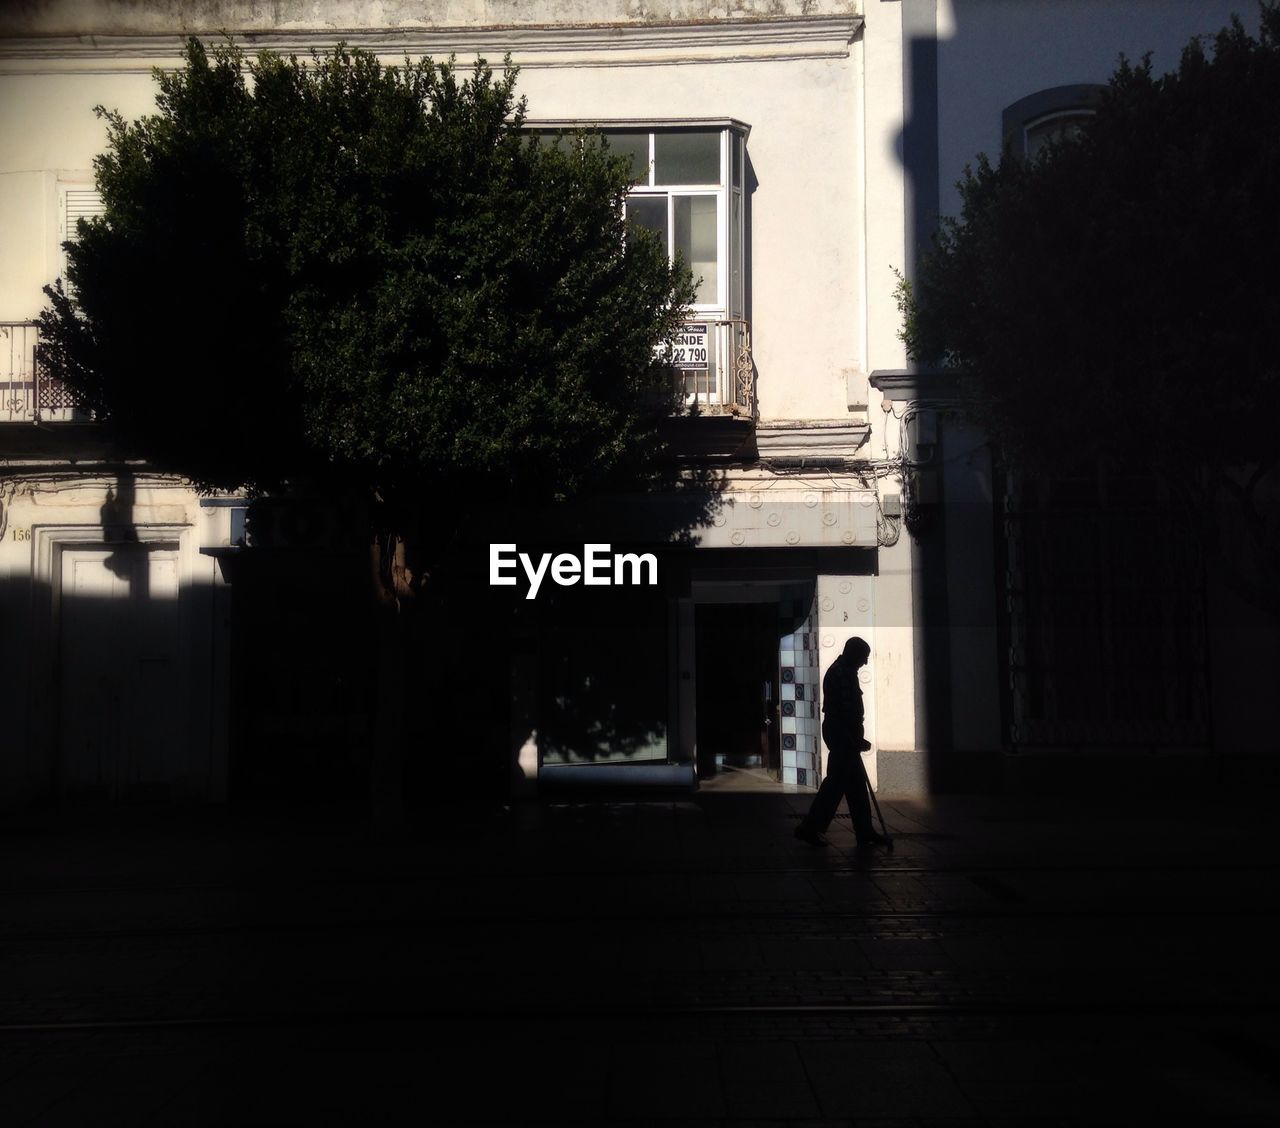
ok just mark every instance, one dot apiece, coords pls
pixel 689 348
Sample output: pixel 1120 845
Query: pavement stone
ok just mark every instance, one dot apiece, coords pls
pixel 647 961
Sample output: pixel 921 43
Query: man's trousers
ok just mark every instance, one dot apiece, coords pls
pixel 845 776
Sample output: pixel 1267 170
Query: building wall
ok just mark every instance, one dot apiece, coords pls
pixel 796 83
pixel 820 84
pixel 167 17
pixel 114 645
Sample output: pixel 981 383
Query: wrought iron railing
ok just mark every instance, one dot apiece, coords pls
pixel 712 359
pixel 28 394
pixel 714 371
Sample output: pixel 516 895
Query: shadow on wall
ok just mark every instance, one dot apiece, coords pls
pixel 118 528
pixel 1112 636
pixel 588 666
pixel 603 674
pixel 118 693
pixel 113 669
pixel 111 700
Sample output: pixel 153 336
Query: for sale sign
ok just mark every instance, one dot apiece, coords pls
pixel 689 349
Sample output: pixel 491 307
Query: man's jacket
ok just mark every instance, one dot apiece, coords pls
pixel 843 711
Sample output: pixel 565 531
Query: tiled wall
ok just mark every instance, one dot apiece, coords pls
pixel 798 662
pixel 846 607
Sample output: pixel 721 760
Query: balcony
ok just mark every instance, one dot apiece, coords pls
pixel 28 394
pixel 715 376
pixel 714 373
pixel 712 367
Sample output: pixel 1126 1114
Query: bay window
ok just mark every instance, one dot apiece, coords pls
pixel 688 189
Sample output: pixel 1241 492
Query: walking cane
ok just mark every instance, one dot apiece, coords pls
pixel 888 838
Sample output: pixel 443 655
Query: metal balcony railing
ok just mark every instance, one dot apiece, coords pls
pixel 27 393
pixel 714 372
pixel 712 361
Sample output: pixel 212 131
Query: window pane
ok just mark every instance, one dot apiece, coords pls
pixel 737 303
pixel 649 212
pixel 1056 127
pixel 696 234
pixel 635 146
pixel 687 158
pixel 550 138
pixel 735 146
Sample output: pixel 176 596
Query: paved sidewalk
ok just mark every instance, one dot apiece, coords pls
pixel 643 961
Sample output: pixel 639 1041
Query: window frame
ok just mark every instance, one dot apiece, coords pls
pixel 720 386
pixel 730 243
pixel 1075 100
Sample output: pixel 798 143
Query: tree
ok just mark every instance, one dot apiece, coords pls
pixel 368 276
pixel 1117 297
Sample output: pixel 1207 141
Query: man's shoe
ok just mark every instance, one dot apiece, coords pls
pixel 809 835
pixel 872 839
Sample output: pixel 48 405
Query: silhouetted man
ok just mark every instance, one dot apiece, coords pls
pixel 842 729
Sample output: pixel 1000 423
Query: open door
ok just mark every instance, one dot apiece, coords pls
pixel 737 686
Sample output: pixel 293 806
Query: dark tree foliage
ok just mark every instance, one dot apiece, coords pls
pixel 1118 297
pixel 357 279
pixel 365 273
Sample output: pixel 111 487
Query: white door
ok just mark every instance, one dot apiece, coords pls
pixel 119 711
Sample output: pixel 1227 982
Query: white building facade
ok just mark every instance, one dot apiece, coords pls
pixel 796 154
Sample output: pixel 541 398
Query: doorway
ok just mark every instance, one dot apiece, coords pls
pixel 737 680
pixel 118 683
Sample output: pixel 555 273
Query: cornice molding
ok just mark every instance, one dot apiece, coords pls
pixel 532 47
pixel 916 383
pixel 813 440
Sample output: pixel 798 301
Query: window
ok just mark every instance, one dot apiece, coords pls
pixel 75 202
pixel 1033 122
pixel 1050 128
pixel 689 191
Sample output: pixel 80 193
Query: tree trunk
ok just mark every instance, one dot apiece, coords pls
pixel 395 592
pixel 387 810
